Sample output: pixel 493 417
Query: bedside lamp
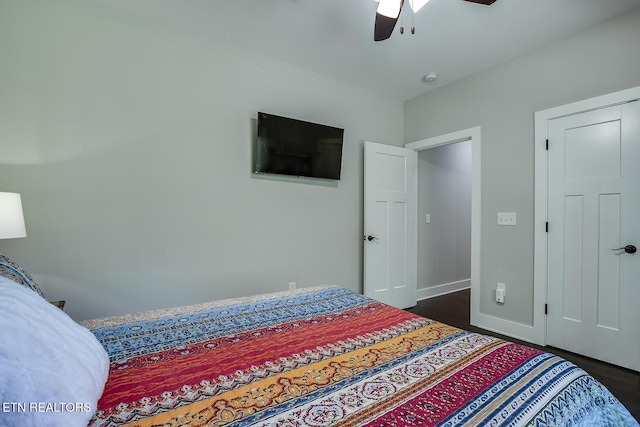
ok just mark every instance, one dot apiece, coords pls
pixel 11 216
pixel 12 227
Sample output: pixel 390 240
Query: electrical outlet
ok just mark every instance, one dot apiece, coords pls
pixel 292 285
pixel 501 289
pixel 427 219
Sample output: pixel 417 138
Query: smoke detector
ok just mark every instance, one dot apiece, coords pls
pixel 431 77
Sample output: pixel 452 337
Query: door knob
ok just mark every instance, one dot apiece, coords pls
pixel 371 238
pixel 630 249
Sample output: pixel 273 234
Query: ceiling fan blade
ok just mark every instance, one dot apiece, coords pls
pixel 384 25
pixel 486 2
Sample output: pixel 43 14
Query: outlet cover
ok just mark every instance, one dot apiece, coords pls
pixel 501 289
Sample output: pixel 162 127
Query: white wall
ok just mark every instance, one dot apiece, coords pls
pixel 502 100
pixel 130 143
pixel 444 245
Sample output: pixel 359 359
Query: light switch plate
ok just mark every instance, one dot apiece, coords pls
pixel 506 218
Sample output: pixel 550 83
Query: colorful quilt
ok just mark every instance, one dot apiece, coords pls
pixel 329 356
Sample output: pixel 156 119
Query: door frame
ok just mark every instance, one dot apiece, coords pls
pixel 475 136
pixel 540 255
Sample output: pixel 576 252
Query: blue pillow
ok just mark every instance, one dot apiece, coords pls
pixel 14 272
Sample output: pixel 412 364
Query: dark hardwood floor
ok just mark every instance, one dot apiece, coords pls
pixel 453 309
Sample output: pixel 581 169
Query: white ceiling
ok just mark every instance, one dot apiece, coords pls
pixel 454 38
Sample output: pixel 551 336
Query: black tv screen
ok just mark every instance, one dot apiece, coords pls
pixel 293 147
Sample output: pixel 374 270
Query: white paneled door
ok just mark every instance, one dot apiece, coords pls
pixel 390 221
pixel 594 229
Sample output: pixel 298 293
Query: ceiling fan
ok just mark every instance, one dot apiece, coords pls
pixel 388 13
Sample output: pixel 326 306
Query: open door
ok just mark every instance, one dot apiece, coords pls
pixel 390 224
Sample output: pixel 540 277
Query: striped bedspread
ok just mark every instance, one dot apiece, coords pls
pixel 328 356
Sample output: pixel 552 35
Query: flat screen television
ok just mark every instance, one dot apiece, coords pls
pixel 287 146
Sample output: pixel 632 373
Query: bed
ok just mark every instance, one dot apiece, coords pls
pixel 329 356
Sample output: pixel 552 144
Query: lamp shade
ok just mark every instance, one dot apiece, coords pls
pixel 11 217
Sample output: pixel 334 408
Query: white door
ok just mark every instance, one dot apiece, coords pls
pixel 594 200
pixel 390 221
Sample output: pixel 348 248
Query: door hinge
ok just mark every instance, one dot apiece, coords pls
pixel 547 146
pixel 546 227
pixel 546 309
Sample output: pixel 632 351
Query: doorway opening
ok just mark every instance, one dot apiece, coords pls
pixel 444 219
pixel 471 136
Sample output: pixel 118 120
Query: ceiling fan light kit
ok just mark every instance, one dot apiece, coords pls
pixel 388 12
pixel 389 8
pixel 416 5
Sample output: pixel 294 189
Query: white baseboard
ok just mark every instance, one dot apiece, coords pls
pixel 509 328
pixel 501 326
pixel 445 288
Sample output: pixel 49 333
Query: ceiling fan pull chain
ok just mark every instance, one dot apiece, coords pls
pixel 413 28
pixel 413 13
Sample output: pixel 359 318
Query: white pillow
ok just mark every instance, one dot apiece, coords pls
pixel 52 370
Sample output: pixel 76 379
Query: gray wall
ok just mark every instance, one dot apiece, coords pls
pixel 502 100
pixel 444 192
pixel 130 143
